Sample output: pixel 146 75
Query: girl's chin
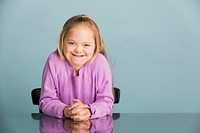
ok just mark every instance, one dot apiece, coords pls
pixel 77 65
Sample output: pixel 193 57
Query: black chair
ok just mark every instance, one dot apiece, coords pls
pixel 35 94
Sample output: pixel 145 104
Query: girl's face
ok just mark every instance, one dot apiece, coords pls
pixel 79 46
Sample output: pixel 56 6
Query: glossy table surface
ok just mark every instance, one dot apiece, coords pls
pixel 118 123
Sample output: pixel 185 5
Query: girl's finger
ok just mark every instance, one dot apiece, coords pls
pixel 76 100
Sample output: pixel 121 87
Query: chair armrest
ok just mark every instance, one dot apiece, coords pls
pixel 116 95
pixel 35 94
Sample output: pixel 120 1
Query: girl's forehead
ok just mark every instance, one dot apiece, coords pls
pixel 80 33
pixel 80 29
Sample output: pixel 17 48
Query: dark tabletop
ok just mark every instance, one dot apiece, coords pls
pixel 118 123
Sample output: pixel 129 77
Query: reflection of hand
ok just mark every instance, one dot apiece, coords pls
pixel 52 124
pixel 77 126
pixel 79 111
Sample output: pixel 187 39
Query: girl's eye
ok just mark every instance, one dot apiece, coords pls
pixel 71 43
pixel 87 45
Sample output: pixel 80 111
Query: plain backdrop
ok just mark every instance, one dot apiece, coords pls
pixel 153 48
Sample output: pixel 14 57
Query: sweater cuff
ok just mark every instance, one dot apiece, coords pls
pixel 93 112
pixel 60 110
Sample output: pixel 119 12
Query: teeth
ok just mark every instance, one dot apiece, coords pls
pixel 78 55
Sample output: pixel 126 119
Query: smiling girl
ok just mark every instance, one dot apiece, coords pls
pixel 77 80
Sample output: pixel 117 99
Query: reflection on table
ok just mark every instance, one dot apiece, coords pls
pixel 158 123
pixel 100 125
pixel 118 123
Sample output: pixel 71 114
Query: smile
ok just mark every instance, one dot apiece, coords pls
pixel 77 55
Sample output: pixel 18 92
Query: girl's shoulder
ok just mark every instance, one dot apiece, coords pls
pixel 100 62
pixel 55 60
pixel 100 59
pixel 54 56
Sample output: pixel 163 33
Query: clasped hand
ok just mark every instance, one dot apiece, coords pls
pixel 77 111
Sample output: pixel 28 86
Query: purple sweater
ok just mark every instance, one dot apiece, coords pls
pixel 93 86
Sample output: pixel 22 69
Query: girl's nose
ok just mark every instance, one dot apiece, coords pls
pixel 78 49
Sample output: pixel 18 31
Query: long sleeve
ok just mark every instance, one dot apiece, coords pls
pixel 49 102
pixel 103 104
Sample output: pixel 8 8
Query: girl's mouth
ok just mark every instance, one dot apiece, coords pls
pixel 77 55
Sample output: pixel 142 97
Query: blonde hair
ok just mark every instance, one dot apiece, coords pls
pixel 87 21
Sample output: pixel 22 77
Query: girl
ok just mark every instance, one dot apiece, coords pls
pixel 77 80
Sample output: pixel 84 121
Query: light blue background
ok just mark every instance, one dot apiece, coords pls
pixel 153 49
